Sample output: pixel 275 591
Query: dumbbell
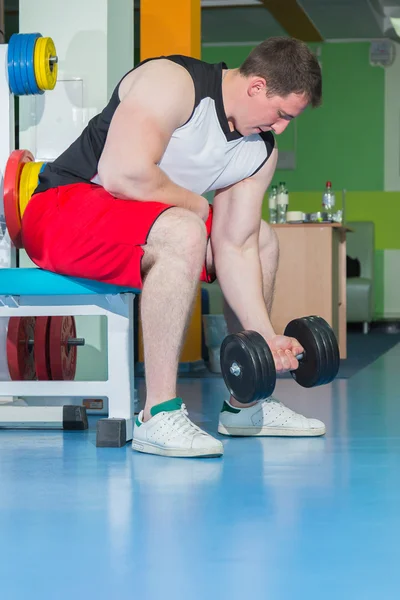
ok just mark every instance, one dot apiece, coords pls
pixel 248 367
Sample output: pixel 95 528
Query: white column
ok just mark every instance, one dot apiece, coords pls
pixel 95 48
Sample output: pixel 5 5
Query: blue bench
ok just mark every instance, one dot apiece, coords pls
pixel 34 292
pixel 36 282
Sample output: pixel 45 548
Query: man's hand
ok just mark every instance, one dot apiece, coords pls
pixel 204 210
pixel 284 350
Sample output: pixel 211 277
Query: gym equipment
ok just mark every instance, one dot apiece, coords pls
pixel 28 183
pixel 33 87
pixel 32 64
pixel 63 348
pixel 32 291
pixel 321 360
pixel 26 292
pixel 41 344
pixel 45 63
pixel 248 367
pixel 42 348
pixel 12 177
pixel 21 177
pixel 20 358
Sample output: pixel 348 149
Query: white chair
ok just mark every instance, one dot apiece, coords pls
pixel 34 292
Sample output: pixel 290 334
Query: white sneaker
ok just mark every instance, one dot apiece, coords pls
pixel 268 417
pixel 170 432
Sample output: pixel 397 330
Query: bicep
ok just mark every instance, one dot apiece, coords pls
pixel 145 120
pixel 238 208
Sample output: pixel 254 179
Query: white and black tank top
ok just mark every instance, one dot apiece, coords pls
pixel 202 155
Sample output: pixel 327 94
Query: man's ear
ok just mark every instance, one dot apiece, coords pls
pixel 256 85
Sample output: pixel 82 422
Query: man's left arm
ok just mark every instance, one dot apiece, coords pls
pixel 236 253
pixel 235 246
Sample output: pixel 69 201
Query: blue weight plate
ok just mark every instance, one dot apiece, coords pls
pixel 22 63
pixel 10 64
pixel 17 66
pixel 30 64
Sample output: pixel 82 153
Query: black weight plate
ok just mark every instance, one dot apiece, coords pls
pixel 319 326
pixel 308 373
pixel 255 341
pixel 324 348
pixel 334 354
pixel 335 348
pixel 267 363
pixel 244 386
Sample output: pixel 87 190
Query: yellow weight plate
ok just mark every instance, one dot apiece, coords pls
pixel 34 177
pixel 23 191
pixel 45 63
pixel 28 183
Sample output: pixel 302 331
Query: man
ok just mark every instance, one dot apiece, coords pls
pixel 123 205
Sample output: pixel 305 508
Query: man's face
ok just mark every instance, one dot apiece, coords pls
pixel 268 113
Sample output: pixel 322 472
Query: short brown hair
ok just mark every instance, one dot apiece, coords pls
pixel 288 66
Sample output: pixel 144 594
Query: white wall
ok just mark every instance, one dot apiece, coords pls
pixel 94 42
pixel 392 124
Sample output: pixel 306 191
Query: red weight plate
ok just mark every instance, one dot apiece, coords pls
pixel 12 176
pixel 42 357
pixel 20 357
pixel 62 356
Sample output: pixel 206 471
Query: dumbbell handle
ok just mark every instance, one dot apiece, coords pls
pixel 236 370
pixel 70 342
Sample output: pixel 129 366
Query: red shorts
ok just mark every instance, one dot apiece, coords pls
pixel 83 231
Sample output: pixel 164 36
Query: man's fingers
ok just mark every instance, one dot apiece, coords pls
pixel 285 361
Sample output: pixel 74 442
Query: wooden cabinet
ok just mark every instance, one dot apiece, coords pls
pixel 311 278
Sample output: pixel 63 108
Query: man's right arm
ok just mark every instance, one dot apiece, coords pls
pixel 159 99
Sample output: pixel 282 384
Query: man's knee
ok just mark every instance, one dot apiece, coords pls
pixel 180 233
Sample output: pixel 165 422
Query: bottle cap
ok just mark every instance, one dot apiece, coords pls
pixel 328 184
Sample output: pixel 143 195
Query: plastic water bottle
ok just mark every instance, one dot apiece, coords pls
pixel 272 204
pixel 283 202
pixel 328 200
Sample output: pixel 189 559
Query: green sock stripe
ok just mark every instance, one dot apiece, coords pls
pixel 228 408
pixel 169 405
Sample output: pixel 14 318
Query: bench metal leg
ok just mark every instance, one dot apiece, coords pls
pixel 118 428
pixel 43 417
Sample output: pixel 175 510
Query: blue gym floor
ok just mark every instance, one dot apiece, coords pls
pixel 276 518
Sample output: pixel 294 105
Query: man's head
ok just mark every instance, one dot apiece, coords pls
pixel 277 81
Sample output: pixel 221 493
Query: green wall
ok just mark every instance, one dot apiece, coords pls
pixel 343 140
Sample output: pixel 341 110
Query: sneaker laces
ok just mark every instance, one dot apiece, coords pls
pixel 182 423
pixel 274 400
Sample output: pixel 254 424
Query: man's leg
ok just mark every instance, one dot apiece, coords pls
pixel 132 244
pixel 269 417
pixel 171 265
